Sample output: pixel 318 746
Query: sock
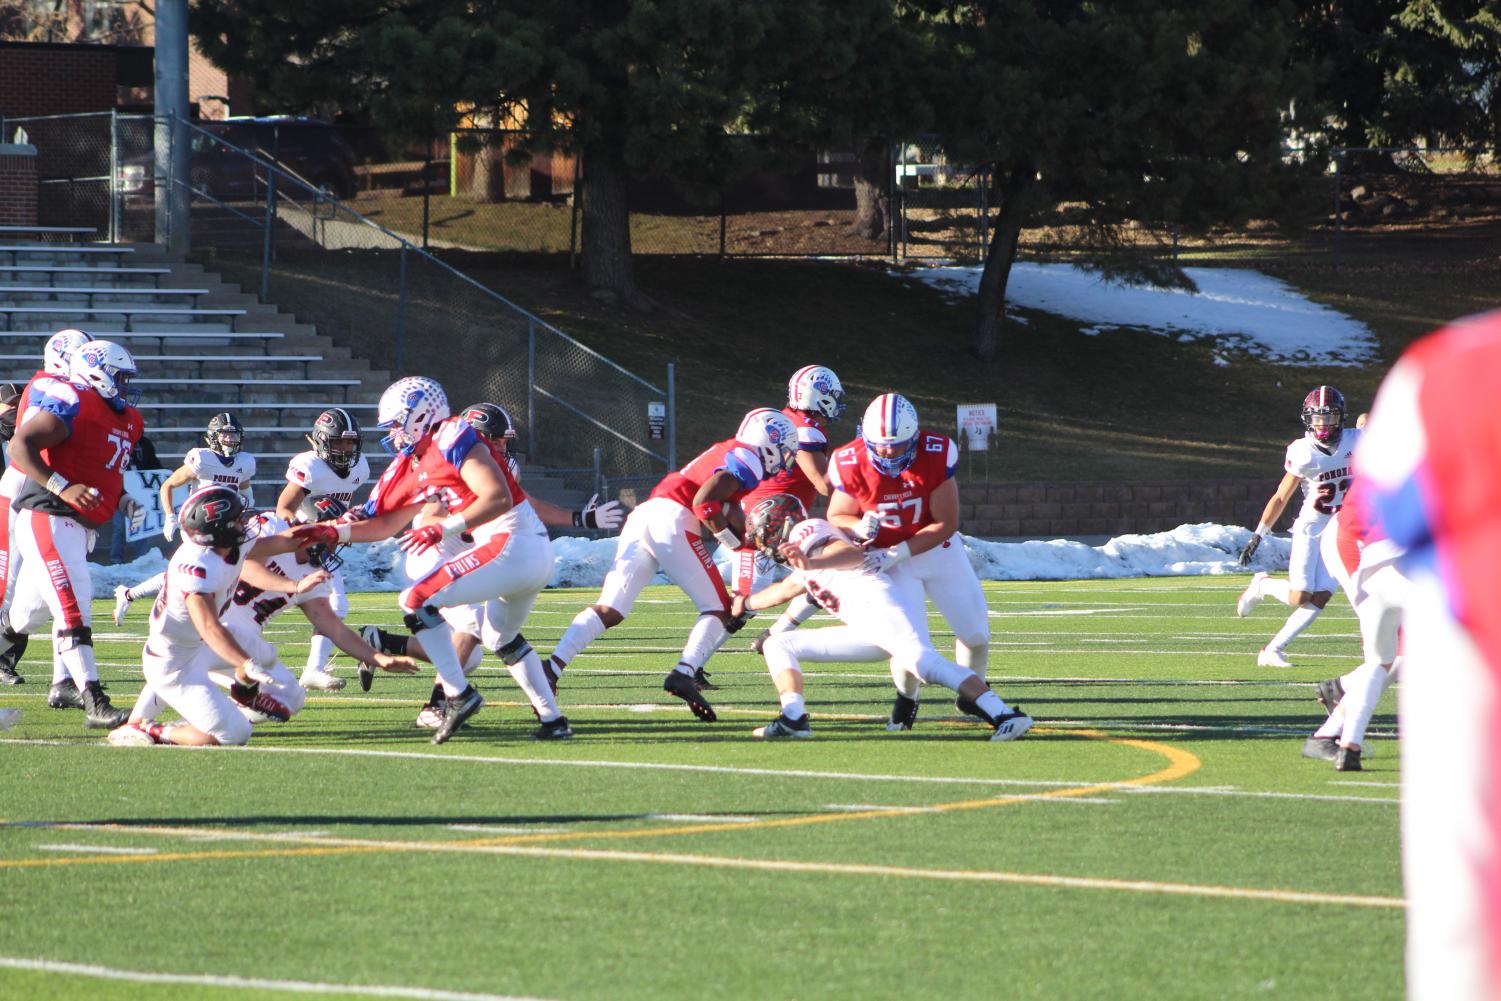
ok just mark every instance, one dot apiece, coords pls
pixel 438 643
pixel 320 652
pixel 905 681
pixel 148 706
pixel 1301 618
pixel 793 706
pixel 1334 724
pixel 1277 587
pixel 147 588
pixel 976 657
pixel 80 664
pixel 992 705
pixel 1362 704
pixel 437 694
pixel 476 657
pixel 706 633
pixel 1357 679
pixel 527 673
pixel 585 628
pixel 59 669
pixel 799 610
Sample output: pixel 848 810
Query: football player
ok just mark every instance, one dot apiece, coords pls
pixel 1319 462
pixel 477 540
pixel 334 467
pixel 73 443
pixel 219 460
pixel 884 616
pixel 669 531
pixel 493 424
pixel 57 353
pixel 894 493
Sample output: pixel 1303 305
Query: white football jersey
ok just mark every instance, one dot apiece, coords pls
pixel 838 589
pixel 210 467
pixel 1326 475
pixel 193 569
pixel 252 608
pixel 320 479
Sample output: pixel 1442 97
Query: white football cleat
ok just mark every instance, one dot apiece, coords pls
pixel 1012 725
pixel 1251 596
pixel 430 718
pixel 129 735
pixel 318 679
pixel 1269 657
pixel 122 603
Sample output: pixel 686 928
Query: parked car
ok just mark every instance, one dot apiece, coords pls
pixel 310 149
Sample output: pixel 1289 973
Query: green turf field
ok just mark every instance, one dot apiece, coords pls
pixel 1157 836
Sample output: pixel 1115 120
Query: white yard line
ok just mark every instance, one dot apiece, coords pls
pixel 703 818
pixel 98 849
pixel 249 983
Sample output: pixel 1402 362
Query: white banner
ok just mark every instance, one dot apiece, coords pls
pixel 142 502
pixel 977 423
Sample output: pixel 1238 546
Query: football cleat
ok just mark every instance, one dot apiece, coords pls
pixel 1251 596
pixel 701 679
pixel 556 729
pixel 316 678
pixel 457 712
pixel 98 713
pixel 682 685
pixel 784 727
pixel 1268 657
pixel 64 695
pixel 8 676
pixel 903 714
pixel 1012 725
pixel 1330 692
pixel 429 717
pixel 122 604
pixel 553 670
pixel 130 735
pixel 1321 748
pixel 1347 759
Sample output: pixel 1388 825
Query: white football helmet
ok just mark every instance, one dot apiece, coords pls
pixel 817 390
pixel 59 351
pixel 409 409
pixel 890 424
pixel 770 433
pixel 105 366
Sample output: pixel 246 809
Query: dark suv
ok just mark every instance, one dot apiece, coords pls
pixel 310 149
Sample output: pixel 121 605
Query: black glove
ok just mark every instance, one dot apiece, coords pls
pixel 1250 550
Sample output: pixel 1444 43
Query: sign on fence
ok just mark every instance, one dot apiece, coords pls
pixel 656 421
pixel 977 424
pixel 142 503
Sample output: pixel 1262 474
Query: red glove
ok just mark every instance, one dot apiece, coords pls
pixel 420 540
pixel 315 535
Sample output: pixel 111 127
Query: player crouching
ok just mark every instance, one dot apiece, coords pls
pixel 884 616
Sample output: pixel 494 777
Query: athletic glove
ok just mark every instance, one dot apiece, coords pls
pixel 604 516
pixel 868 528
pixel 420 540
pixel 256 671
pixel 881 560
pixel 1249 550
pixel 316 535
pixel 169 527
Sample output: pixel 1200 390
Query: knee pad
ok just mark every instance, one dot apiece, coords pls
pixel 426 617
pixel 72 639
pixel 514 651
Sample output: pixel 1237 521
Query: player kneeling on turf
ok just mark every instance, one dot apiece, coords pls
pixel 884 617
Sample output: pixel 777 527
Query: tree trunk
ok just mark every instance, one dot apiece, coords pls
pixel 985 341
pixel 872 192
pixel 606 242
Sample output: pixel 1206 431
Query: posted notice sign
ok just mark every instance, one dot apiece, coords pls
pixel 976 425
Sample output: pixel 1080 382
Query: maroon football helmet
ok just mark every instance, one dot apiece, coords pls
pixel 770 522
pixel 1324 402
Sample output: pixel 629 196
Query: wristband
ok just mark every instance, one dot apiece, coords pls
pixel 1262 530
pixel 56 484
pixel 343 531
pixel 707 510
pixel 727 538
pixel 452 525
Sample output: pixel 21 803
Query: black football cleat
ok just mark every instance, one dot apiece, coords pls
pixel 782 727
pixel 457 711
pixel 701 679
pixel 1321 748
pixel 12 649
pixel 683 686
pixel 1329 694
pixel 557 729
pixel 1347 759
pixel 903 714
pixel 98 713
pixel 64 695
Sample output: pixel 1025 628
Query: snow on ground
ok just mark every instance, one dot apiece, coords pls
pixel 1235 307
pixel 1186 550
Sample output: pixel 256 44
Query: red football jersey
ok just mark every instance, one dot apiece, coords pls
pixel 96 451
pixel 430 471
pixel 741 460
pixel 902 501
pixel 811 437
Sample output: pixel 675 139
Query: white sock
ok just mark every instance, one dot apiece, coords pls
pixel 59 670
pixel 437 643
pixel 905 681
pixel 976 657
pixel 320 652
pixel 476 657
pixel 1362 705
pixel 80 664
pixel 147 588
pixel 527 673
pixel 148 705
pixel 585 628
pixel 1277 587
pixel 1301 618
pixel 992 704
pixel 1334 724
pixel 703 639
pixel 1358 678
pixel 793 706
